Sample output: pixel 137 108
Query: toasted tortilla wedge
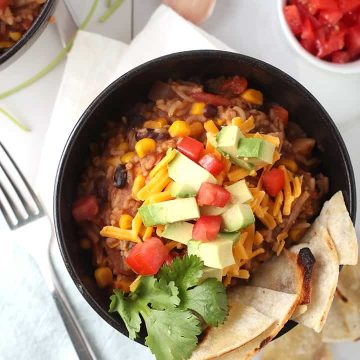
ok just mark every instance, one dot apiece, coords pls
pixel 274 304
pixel 300 343
pixel 300 309
pixel 336 328
pixel 281 273
pixel 243 324
pixel 324 278
pixel 335 217
pixel 289 273
pixel 349 283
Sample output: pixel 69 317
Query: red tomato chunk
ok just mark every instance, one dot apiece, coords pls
pixel 147 257
pixel 206 228
pixel 211 164
pixel 85 208
pixel 212 194
pixel 4 4
pixel 328 29
pixel 190 147
pixel 235 85
pixel 273 181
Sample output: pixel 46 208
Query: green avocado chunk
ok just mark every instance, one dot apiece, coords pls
pixel 216 253
pixel 169 211
pixel 188 173
pixel 237 216
pixel 180 231
pixel 256 150
pixel 181 190
pixel 239 192
pixel 209 272
pixel 227 143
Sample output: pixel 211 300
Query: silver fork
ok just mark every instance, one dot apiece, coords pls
pixel 24 212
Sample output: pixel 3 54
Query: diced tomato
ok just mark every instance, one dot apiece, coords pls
pixel 86 208
pixel 308 32
pixel 278 112
pixel 170 258
pixel 190 147
pixel 335 42
pixel 213 99
pixel 4 4
pixel 350 19
pixel 206 228
pixel 348 5
pixel 273 181
pixel 212 194
pixel 147 257
pixel 211 164
pixel 293 18
pixel 317 5
pixel 331 16
pixel 235 85
pixel 340 57
pixel 353 41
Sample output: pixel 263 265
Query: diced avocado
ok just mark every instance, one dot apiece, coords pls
pixel 181 190
pixel 232 236
pixel 187 172
pixel 209 272
pixel 239 192
pixel 237 216
pixel 228 141
pixel 212 210
pixel 180 231
pixel 256 150
pixel 216 253
pixel 168 212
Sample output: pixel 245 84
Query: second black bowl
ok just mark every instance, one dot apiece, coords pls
pixel 133 87
pixel 28 38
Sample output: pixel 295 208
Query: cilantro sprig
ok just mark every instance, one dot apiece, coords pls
pixel 172 305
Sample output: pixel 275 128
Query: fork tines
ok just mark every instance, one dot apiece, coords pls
pixel 18 202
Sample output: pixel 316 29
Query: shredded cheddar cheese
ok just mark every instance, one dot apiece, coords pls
pixel 237 174
pixel 120 234
pixel 136 224
pixel 155 185
pixel 148 232
pixel 163 163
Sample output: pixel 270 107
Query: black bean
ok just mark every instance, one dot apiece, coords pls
pixel 143 133
pixel 210 111
pixel 164 135
pixel 120 176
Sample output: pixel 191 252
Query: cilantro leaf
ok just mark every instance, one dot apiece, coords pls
pixel 172 333
pixel 209 300
pixel 160 294
pixel 185 272
pixel 129 313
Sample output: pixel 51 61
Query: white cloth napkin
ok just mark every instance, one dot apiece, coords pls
pixel 93 63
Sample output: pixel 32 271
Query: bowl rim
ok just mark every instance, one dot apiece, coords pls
pixel 108 91
pixel 34 30
pixel 352 67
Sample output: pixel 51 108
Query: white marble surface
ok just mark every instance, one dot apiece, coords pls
pixel 249 26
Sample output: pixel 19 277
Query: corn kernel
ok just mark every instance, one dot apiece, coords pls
pixel 6 44
pixel 139 183
pixel 15 35
pixel 221 121
pixel 211 127
pixel 113 161
pixel 123 146
pixel 103 277
pixel 296 234
pixel 145 146
pixel 125 221
pixel 196 129
pixel 127 157
pixel 197 108
pixel 122 284
pixel 155 124
pixel 289 164
pixel 179 128
pixel 253 96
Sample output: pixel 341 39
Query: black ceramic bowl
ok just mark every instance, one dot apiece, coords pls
pixel 132 87
pixel 13 53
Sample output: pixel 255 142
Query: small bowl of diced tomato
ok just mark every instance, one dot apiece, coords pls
pixel 325 32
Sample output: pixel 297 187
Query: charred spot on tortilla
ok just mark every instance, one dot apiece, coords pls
pixel 306 261
pixel 264 342
pixel 341 296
